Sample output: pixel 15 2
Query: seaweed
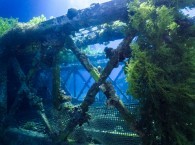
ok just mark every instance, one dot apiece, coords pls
pixel 37 20
pixel 160 75
pixel 6 24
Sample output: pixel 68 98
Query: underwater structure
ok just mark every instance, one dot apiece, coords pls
pixel 28 49
pixel 32 114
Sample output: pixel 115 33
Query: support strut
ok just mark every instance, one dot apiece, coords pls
pixel 25 91
pixel 3 88
pixel 80 116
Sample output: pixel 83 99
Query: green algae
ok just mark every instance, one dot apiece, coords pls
pixel 161 75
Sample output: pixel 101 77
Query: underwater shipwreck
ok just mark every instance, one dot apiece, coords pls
pixel 42 65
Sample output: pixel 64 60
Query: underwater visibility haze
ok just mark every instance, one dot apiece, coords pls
pixel 97 72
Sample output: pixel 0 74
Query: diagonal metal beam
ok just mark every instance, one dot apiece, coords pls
pixel 80 115
pixel 84 86
pixel 95 15
pixel 114 83
pixel 34 100
pixel 82 78
pixel 65 81
pixel 68 75
pixel 119 74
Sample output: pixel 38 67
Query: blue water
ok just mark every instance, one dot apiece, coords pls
pixel 26 10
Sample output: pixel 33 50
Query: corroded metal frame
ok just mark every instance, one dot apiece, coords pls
pixel 62 27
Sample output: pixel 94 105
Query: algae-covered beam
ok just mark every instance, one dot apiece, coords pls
pixel 24 90
pixel 61 98
pixel 3 88
pixel 80 115
pixel 119 54
pixel 56 83
pixel 95 15
pixel 74 20
pixel 104 33
pixel 81 57
pixel 116 55
pixel 123 51
pixel 99 38
pixel 180 4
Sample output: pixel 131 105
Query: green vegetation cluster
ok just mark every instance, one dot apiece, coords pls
pixel 66 57
pixel 92 51
pixel 115 26
pixel 6 24
pixel 37 20
pixel 161 74
pixel 178 4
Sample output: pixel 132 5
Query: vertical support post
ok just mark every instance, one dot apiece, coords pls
pixel 56 83
pixel 3 88
pixel 60 98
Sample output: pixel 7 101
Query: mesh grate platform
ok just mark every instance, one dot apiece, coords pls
pixel 105 127
pixel 108 127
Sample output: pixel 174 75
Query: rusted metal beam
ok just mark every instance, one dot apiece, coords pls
pixel 80 115
pixel 101 35
pixel 95 15
pixel 34 100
